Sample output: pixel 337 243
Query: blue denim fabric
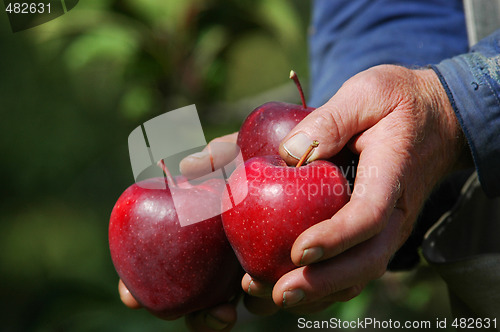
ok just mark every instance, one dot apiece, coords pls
pixel 472 82
pixel 348 36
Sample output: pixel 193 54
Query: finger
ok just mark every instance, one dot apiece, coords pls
pixel 256 288
pixel 376 191
pixel 218 153
pixel 359 104
pixel 346 273
pixel 345 294
pixel 220 318
pixel 260 306
pixel 320 305
pixel 309 308
pixel 126 297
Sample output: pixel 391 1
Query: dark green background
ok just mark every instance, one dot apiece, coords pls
pixel 71 91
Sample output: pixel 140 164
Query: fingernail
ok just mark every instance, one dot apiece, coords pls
pixel 259 290
pixel 214 323
pixel 292 297
pixel 297 145
pixel 250 284
pixel 127 297
pixel 311 255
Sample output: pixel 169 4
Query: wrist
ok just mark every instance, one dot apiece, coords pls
pixel 451 132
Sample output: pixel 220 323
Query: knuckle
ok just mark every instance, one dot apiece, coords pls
pixel 375 79
pixel 378 264
pixel 351 293
pixel 356 290
pixel 376 218
pixel 388 83
pixel 344 242
pixel 331 120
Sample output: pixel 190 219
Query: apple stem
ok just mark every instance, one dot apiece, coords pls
pixel 295 78
pixel 168 175
pixel 311 147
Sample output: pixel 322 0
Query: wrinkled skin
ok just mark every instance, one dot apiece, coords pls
pixel 403 127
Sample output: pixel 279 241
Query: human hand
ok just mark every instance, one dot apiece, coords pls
pixel 219 318
pixel 402 124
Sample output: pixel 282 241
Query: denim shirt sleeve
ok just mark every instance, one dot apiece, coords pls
pixel 349 36
pixel 472 82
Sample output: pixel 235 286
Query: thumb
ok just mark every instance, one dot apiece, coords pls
pixel 358 105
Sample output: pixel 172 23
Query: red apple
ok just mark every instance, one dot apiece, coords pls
pixel 280 204
pixel 264 128
pixel 170 269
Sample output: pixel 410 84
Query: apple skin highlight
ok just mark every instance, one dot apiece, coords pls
pixel 172 270
pixel 281 203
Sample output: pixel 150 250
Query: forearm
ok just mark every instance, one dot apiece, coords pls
pixel 472 82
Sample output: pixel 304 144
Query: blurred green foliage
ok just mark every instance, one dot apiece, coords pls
pixel 72 90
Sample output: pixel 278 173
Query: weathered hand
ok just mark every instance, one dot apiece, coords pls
pixel 402 124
